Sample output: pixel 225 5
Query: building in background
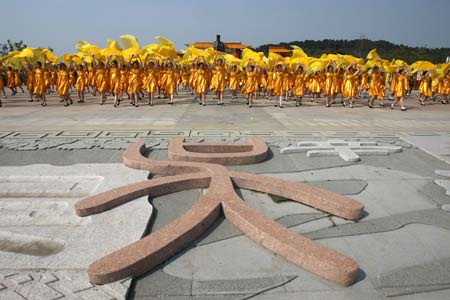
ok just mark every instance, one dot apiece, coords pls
pixel 234 48
pixel 283 51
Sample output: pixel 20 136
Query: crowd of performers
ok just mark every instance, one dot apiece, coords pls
pixel 141 80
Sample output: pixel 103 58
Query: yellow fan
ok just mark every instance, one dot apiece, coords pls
pixel 422 66
pixel 298 52
pixel 9 55
pixel 129 41
pixel 128 52
pixel 50 56
pixel 248 54
pixel 27 52
pixel 165 42
pixel 373 55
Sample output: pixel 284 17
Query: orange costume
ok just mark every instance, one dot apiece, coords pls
pixel 170 81
pixel 30 80
pixel 185 77
pixel 401 86
pixel 251 85
pixel 90 80
pixel 315 87
pixel 328 88
pixel 234 80
pixel 124 80
pixel 100 80
pixel 350 86
pixel 80 85
pixel 287 81
pixel 444 87
pixel 151 82
pixel 10 79
pixel 48 78
pixel 270 82
pixel 393 82
pixel 63 84
pixel 382 89
pixel 135 81
pixel 218 79
pixel 114 80
pixel 200 82
pixel 39 82
pixel 425 86
pixel 364 82
pixel 17 79
pixel 277 83
pixel 71 78
pixel 376 85
pixel 299 85
pixel 53 77
pixel 2 84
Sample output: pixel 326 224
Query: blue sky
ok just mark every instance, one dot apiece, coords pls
pixel 60 24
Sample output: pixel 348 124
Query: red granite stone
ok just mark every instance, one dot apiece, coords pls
pixel 203 169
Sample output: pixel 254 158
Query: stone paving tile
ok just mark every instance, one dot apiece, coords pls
pixel 37 222
pixel 412 175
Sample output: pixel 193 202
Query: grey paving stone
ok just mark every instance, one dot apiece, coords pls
pixel 435 193
pixel 45 234
pixel 303 163
pixel 58 157
pixel 239 286
pixel 318 295
pixel 434 217
pixel 223 229
pixel 162 284
pixel 343 187
pixel 412 160
pixel 275 163
pixel 53 285
pixel 431 276
pixel 347 150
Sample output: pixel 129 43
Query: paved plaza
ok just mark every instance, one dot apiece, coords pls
pixel 397 164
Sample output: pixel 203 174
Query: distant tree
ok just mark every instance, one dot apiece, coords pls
pixel 11 46
pixel 360 47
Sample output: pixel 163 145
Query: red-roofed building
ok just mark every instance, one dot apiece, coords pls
pixel 234 48
pixel 283 51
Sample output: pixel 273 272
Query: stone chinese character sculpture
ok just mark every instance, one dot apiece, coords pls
pixel 201 165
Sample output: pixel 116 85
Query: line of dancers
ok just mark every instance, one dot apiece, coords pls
pixel 142 80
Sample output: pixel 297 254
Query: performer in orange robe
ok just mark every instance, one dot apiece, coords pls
pixel 234 81
pixel 219 78
pixel 63 85
pixel 376 90
pixel 30 81
pixel 135 81
pixel 278 85
pixel 401 88
pixel 80 84
pixel 351 84
pixel 201 83
pixel 151 81
pixel 299 85
pixel 328 86
pixel 114 80
pixel 251 84
pixel 425 91
pixel 2 85
pixel 40 88
pixel 170 81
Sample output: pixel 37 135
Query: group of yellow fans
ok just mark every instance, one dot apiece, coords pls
pixel 160 69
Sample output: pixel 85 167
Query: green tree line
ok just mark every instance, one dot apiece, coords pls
pixel 360 48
